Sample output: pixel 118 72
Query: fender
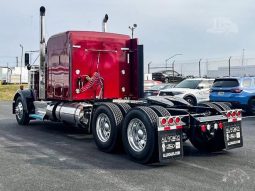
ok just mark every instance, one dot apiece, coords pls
pixel 26 95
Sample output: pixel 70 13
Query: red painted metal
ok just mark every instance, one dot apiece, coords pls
pixel 88 65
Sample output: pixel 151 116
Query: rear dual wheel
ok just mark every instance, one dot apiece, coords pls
pixel 139 134
pixel 106 127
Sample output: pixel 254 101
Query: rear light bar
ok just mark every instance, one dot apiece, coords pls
pixel 210 126
pixel 171 122
pixel 234 115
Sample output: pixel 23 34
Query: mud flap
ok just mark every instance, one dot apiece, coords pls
pixel 233 135
pixel 170 145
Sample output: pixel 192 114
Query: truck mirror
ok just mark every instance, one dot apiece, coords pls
pixel 26 59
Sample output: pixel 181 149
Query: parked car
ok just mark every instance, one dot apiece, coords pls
pixel 167 76
pixel 239 91
pixel 193 90
pixel 154 90
pixel 149 83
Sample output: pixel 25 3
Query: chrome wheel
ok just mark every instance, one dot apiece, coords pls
pixel 137 135
pixel 103 127
pixel 19 110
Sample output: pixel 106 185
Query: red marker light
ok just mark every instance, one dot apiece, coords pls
pixel 170 120
pixel 167 128
pixel 220 125
pixel 228 114
pixel 179 127
pixel 203 128
pixel 233 114
pixel 239 113
pixel 177 120
pixel 163 121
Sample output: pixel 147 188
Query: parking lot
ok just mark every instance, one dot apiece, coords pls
pixel 49 156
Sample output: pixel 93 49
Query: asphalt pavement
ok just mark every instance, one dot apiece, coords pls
pixel 50 156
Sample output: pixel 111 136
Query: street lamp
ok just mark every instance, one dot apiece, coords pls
pixel 21 46
pixel 149 67
pixel 199 67
pixel 229 66
pixel 132 29
pixel 171 58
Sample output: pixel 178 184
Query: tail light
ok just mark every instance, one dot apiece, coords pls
pixel 239 113
pixel 170 120
pixel 228 114
pixel 220 125
pixel 236 90
pixel 203 128
pixel 163 121
pixel 177 119
pixel 234 114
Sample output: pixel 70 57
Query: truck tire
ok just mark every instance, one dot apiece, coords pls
pixel 124 108
pixel 191 100
pixel 208 145
pixel 22 116
pixel 251 106
pixel 222 105
pixel 139 134
pixel 228 104
pixel 106 127
pixel 211 105
pixel 160 111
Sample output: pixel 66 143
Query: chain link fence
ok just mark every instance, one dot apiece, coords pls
pixel 212 68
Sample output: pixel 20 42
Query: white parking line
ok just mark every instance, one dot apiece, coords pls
pixel 201 167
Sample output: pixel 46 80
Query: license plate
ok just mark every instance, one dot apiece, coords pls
pixel 233 135
pixel 170 145
pixel 220 93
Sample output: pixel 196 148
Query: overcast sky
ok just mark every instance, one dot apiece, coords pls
pixel 194 28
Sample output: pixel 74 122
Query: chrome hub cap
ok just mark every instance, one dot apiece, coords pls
pixel 103 127
pixel 137 135
pixel 19 110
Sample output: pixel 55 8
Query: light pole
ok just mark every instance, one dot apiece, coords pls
pixel 132 29
pixel 21 46
pixel 149 67
pixel 171 58
pixel 173 69
pixel 199 65
pixel 229 66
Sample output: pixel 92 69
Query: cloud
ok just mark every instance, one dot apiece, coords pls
pixel 223 25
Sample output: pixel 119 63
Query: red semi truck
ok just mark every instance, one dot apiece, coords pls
pixel 94 81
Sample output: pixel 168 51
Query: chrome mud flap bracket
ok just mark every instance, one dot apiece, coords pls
pixel 233 135
pixel 170 145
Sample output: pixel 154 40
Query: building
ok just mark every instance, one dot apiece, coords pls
pixel 234 71
pixel 12 75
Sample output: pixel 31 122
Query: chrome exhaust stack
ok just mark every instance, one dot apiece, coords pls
pixel 104 25
pixel 42 68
